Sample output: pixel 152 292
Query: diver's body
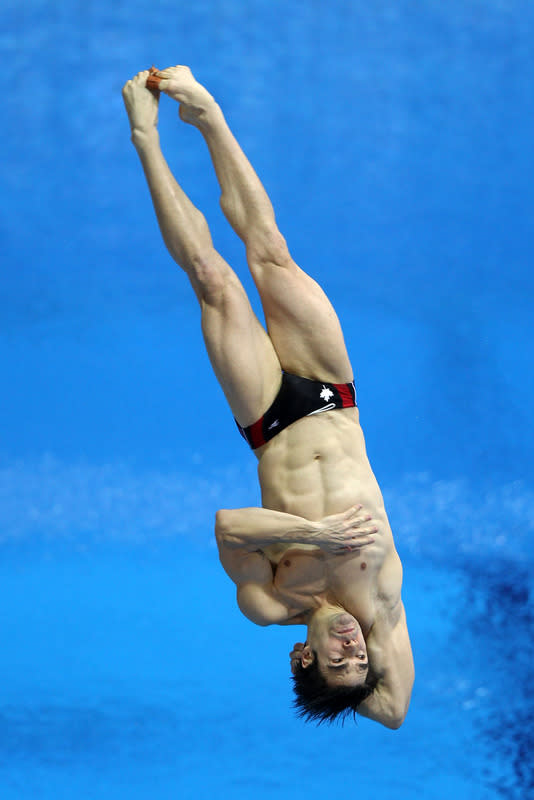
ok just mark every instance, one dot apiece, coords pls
pixel 320 552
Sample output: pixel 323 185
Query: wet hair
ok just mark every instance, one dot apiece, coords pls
pixel 316 701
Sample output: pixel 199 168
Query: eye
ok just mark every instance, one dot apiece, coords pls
pixel 337 660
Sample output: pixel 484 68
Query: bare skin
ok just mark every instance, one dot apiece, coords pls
pixel 320 551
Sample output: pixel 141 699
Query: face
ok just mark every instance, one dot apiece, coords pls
pixel 337 639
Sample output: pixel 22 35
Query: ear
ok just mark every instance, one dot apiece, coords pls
pixel 307 656
pixel 295 656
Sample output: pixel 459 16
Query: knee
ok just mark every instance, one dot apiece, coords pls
pixel 268 247
pixel 208 276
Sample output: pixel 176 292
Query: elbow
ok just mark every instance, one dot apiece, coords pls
pixel 396 717
pixel 394 722
pixel 221 525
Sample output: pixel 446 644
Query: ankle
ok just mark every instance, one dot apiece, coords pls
pixel 144 137
pixel 210 118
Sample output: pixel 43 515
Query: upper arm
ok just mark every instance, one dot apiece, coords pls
pixel 253 575
pixel 391 658
pixel 260 604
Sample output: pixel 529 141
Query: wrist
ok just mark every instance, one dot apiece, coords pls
pixel 305 532
pixel 314 529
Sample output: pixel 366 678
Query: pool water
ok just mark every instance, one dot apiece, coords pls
pixel 395 143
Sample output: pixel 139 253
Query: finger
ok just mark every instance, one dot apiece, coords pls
pixel 369 529
pixel 362 540
pixel 346 550
pixel 357 541
pixel 358 514
pixel 349 513
pixel 356 545
pixel 364 532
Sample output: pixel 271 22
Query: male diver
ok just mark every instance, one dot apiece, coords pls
pixel 320 551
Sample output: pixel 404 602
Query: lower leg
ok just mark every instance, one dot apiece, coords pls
pixel 244 200
pixel 183 227
pixel 240 351
pixel 238 347
pixel 302 324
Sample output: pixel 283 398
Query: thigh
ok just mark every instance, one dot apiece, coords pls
pixel 302 324
pixel 240 350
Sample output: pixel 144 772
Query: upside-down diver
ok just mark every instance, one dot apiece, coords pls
pixel 320 551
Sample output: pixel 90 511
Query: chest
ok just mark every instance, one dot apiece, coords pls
pixel 299 574
pixel 305 577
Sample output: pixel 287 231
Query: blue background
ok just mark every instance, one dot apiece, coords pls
pixel 395 140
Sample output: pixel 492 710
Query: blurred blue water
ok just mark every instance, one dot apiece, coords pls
pixel 395 141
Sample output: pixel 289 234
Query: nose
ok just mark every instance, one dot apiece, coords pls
pixel 351 648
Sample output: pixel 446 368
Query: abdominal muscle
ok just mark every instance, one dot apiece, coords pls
pixel 316 467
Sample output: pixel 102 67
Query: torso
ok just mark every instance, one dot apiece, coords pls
pixel 316 467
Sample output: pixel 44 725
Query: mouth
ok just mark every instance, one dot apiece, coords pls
pixel 344 623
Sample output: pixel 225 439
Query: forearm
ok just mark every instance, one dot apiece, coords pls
pixel 254 528
pixel 183 227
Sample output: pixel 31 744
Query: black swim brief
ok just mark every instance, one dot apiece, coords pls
pixel 298 397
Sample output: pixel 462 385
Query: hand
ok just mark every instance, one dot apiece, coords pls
pixel 180 84
pixel 295 656
pixel 141 104
pixel 343 533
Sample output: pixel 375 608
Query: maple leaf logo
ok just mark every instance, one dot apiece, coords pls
pixel 326 394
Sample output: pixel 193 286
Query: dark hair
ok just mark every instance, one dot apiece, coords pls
pixel 316 701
